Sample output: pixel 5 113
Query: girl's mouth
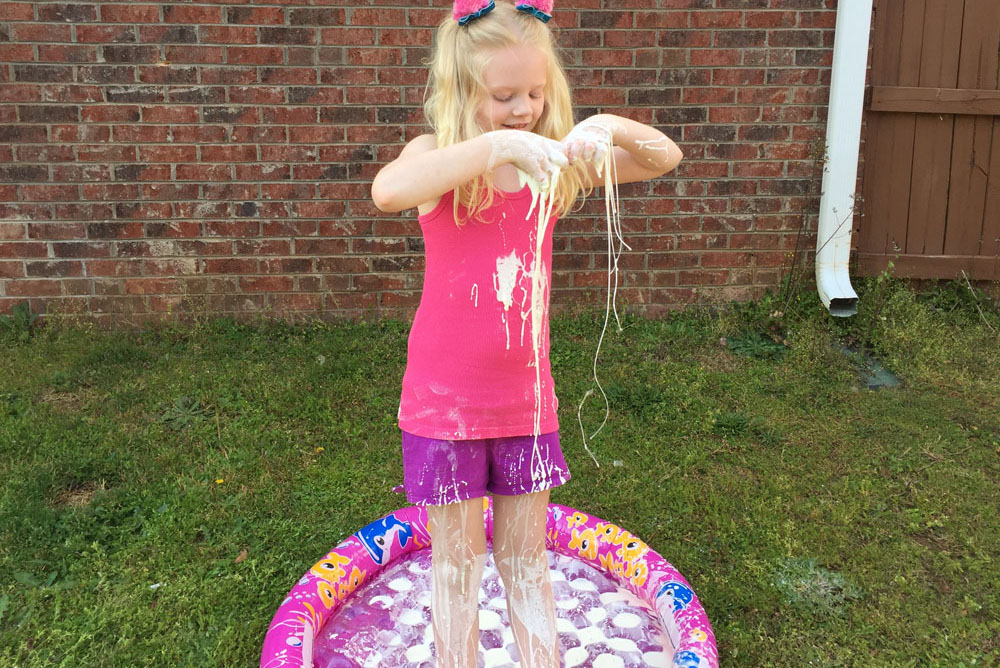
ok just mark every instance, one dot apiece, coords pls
pixel 522 126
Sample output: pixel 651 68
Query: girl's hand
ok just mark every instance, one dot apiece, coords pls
pixel 590 140
pixel 535 155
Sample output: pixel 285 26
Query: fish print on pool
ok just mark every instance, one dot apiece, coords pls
pixel 378 537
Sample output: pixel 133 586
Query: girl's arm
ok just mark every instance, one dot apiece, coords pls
pixel 423 172
pixel 641 152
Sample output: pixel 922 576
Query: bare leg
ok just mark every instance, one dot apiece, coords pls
pixel 519 550
pixel 458 557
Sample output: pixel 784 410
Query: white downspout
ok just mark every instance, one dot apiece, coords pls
pixel 840 172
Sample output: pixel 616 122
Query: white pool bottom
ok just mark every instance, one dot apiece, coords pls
pixel 387 623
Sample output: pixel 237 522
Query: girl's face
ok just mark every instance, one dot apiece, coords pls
pixel 515 80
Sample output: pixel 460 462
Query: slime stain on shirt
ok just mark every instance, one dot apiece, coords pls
pixel 509 267
pixel 506 278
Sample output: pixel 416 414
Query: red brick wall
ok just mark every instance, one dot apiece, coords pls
pixel 216 157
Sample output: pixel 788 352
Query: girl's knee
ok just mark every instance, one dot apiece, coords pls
pixel 457 574
pixel 454 557
pixel 516 568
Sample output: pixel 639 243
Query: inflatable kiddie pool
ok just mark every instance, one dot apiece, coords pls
pixel 366 603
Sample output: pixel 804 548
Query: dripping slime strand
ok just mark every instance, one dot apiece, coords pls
pixel 614 231
pixel 544 199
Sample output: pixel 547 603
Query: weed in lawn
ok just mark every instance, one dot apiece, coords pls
pixel 60 380
pixel 731 424
pixel 638 399
pixel 736 424
pixel 755 344
pixel 182 413
pixel 20 325
pixel 758 329
pixel 14 405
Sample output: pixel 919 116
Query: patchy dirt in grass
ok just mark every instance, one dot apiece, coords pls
pixel 718 360
pixel 69 402
pixel 79 496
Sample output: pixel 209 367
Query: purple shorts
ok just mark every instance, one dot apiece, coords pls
pixel 436 472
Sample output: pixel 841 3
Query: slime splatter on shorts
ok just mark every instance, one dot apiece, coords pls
pixel 436 472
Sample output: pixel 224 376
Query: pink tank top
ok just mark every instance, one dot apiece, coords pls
pixel 470 369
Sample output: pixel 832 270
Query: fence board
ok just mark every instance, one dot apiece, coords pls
pixel 991 210
pixel 978 267
pixel 880 128
pixel 973 136
pixel 968 101
pixel 897 166
pixel 942 29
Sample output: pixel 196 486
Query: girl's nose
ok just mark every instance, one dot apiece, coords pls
pixel 521 107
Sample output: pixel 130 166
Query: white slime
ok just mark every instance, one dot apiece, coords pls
pixel 544 199
pixel 611 207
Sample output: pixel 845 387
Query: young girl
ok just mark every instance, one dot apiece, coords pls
pixel 478 407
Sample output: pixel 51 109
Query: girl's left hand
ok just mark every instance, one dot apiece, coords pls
pixel 590 140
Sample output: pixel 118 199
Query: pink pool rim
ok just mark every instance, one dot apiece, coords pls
pixel 624 557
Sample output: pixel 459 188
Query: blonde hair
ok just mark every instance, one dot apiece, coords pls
pixel 457 89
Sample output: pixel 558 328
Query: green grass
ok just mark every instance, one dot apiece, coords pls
pixel 162 490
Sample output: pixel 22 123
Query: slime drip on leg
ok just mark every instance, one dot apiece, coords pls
pixel 521 558
pixel 458 545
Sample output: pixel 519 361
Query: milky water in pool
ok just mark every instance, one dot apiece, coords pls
pixel 387 622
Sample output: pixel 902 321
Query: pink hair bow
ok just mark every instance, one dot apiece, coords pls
pixel 470 10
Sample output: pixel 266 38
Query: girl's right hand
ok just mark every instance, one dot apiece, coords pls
pixel 590 140
pixel 533 154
